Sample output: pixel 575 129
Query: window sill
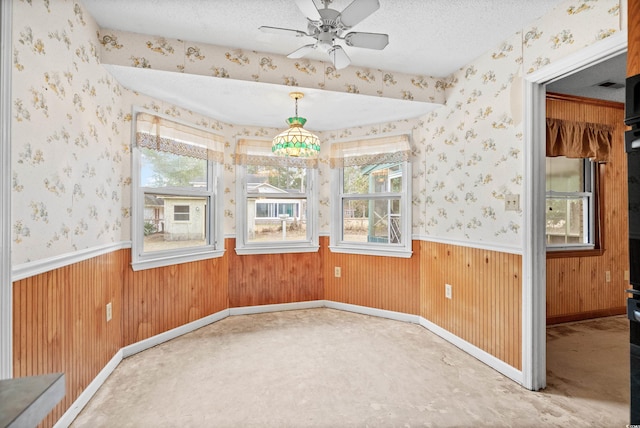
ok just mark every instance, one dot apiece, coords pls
pixel 558 254
pixel 384 252
pixel 156 262
pixel 276 249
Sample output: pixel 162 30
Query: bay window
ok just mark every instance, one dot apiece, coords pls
pixel 372 187
pixel 276 208
pixel 176 180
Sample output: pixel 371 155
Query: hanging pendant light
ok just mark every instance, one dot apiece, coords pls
pixel 296 141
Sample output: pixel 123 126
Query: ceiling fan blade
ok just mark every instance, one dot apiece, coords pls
pixel 367 40
pixel 287 31
pixel 308 7
pixel 339 57
pixel 357 11
pixel 300 52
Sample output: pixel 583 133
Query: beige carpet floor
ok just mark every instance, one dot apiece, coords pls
pixel 330 368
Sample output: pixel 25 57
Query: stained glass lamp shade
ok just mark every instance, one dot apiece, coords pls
pixel 296 141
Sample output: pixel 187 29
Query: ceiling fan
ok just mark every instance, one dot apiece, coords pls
pixel 326 25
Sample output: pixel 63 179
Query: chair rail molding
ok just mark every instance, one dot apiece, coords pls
pixel 26 270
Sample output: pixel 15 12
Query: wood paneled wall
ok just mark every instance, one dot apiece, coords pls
pixel 486 304
pixel 576 286
pixel 158 300
pixel 633 30
pixel 60 316
pixel 59 323
pixel 273 278
pixel 388 283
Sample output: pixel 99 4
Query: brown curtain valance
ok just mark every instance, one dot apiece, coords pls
pixel 579 139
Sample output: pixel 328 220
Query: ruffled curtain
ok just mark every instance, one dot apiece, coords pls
pixel 579 140
pixel 163 135
pixel 258 152
pixel 371 151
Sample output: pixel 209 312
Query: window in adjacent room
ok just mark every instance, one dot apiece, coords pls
pixel 570 208
pixel 371 204
pixel 575 152
pixel 176 179
pixel 277 209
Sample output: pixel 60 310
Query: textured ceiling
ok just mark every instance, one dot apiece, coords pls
pixel 586 83
pixel 427 37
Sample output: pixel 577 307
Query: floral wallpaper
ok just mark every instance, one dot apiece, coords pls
pixel 71 125
pixel 472 148
pixel 137 50
pixel 70 150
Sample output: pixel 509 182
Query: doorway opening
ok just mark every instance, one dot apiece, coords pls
pixel 534 290
pixel 586 234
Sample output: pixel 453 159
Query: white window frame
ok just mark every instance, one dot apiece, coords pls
pixel 339 245
pixel 589 215
pixel 244 246
pixel 214 246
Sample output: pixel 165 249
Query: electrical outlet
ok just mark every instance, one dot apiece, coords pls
pixel 447 291
pixel 109 312
pixel 607 276
pixel 338 271
pixel 511 202
pixel 626 275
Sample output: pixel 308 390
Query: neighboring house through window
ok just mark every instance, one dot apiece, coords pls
pixel 176 179
pixel 371 204
pixel 277 209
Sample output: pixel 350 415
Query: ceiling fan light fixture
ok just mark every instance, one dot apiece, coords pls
pixel 296 141
pixel 326 25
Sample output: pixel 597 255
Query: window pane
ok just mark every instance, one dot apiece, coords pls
pixel 181 213
pixel 566 220
pixel 372 179
pixel 276 179
pixel 272 219
pixel 162 169
pixel 371 220
pixel 172 222
pixel 565 175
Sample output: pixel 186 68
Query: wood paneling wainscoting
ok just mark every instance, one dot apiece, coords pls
pixel 388 283
pixel 60 316
pixel 486 304
pixel 265 279
pixel 59 323
pixel 576 286
pixel 160 299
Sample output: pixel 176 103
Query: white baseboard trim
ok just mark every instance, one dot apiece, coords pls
pixel 145 344
pixel 86 395
pixel 380 313
pixel 488 359
pixel 261 309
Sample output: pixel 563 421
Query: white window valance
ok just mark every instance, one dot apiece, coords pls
pixel 258 152
pixel 371 151
pixel 157 133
